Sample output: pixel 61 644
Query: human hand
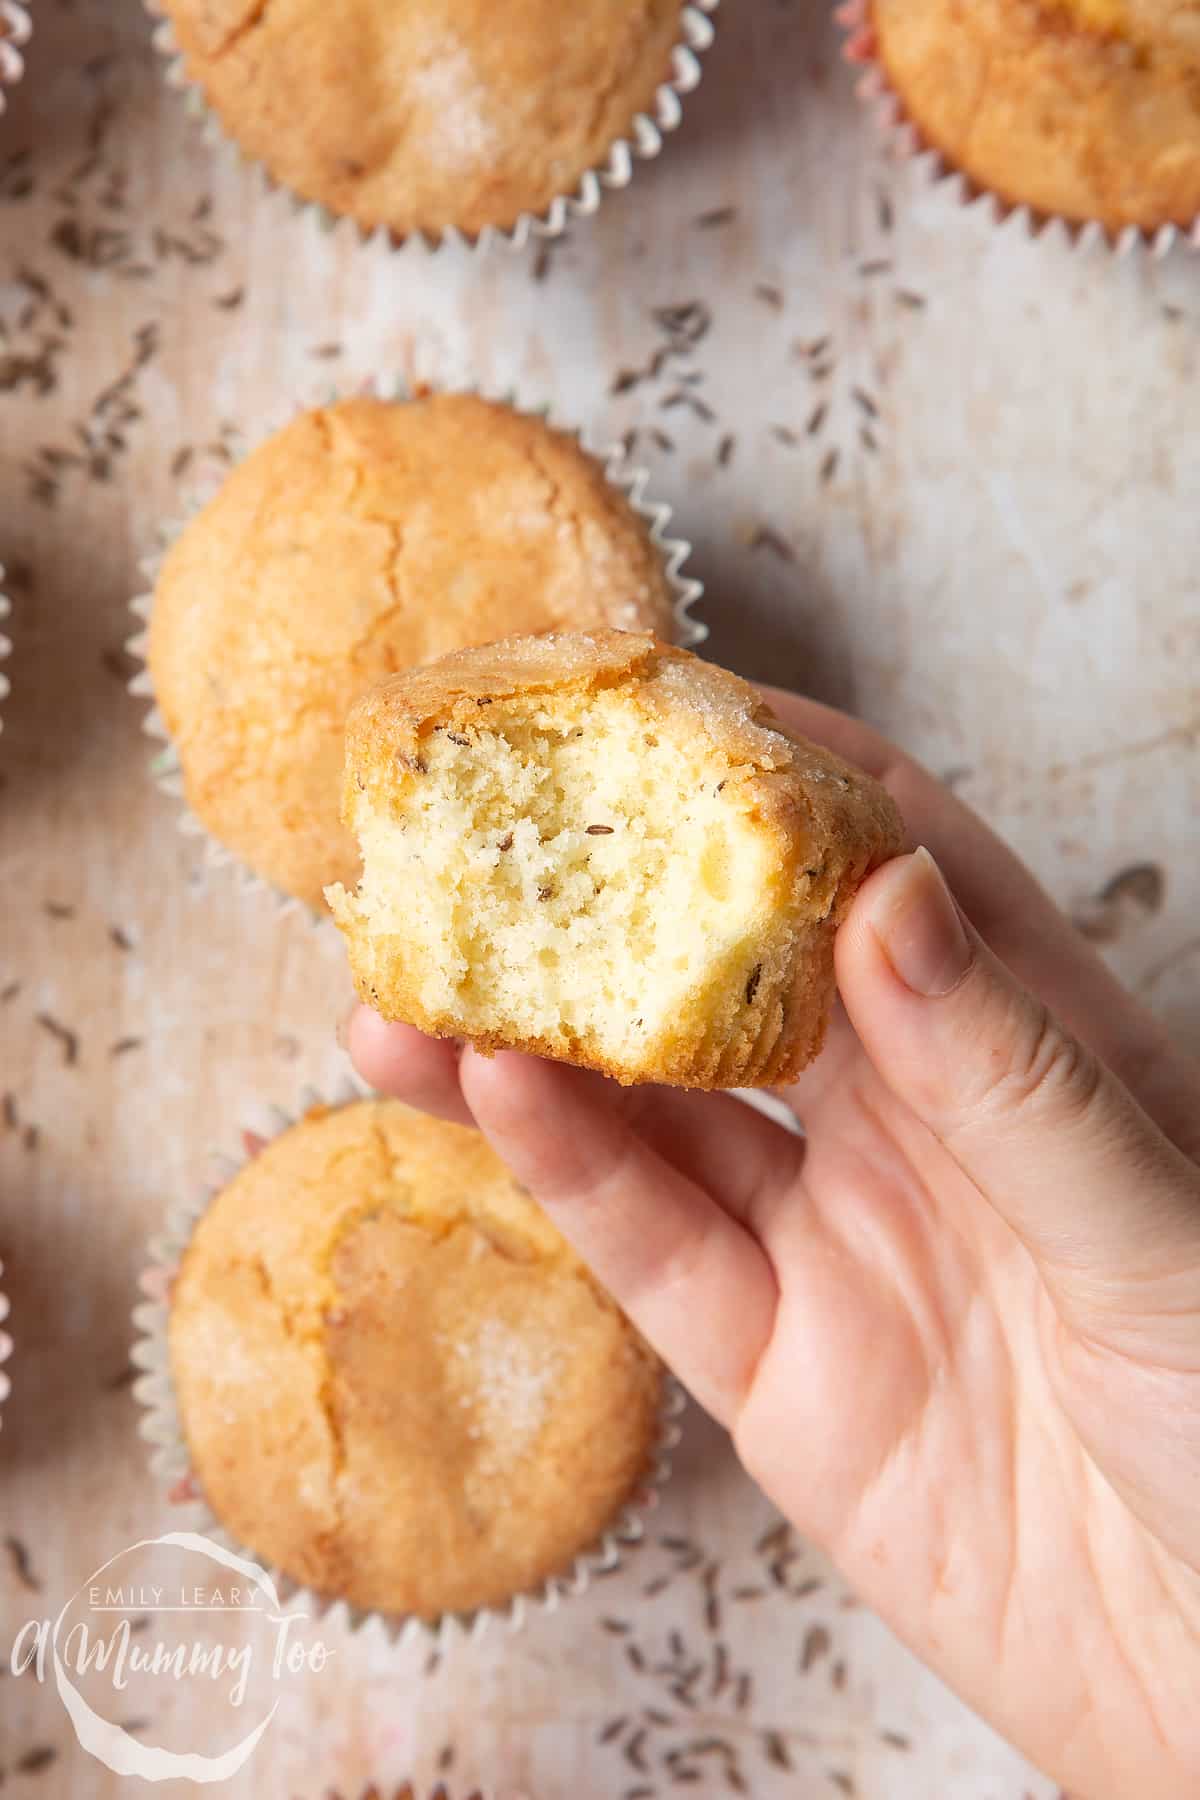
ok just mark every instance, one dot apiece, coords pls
pixel 955 1328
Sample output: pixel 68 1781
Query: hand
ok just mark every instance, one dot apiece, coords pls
pixel 955 1329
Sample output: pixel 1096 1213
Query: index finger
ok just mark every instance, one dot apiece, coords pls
pixel 1017 918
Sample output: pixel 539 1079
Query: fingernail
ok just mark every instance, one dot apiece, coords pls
pixel 919 928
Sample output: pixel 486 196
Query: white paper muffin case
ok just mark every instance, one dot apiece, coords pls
pixel 15 29
pixel 628 479
pixel 904 139
pixel 643 144
pixel 169 1462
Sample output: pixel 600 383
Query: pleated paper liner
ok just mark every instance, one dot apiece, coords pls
pixel 904 139
pixel 169 1461
pixel 628 479
pixel 15 28
pixel 645 139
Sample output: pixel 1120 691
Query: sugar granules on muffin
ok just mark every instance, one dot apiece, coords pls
pixel 600 849
pixel 456 1410
pixel 1085 110
pixel 434 115
pixel 362 538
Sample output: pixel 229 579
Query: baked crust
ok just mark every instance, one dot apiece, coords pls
pixel 419 115
pixel 361 538
pixel 1082 109
pixel 828 825
pixel 395 1379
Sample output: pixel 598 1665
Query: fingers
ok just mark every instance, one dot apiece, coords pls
pixel 692 1279
pixel 1019 921
pixel 734 1153
pixel 403 1062
pixel 1048 1136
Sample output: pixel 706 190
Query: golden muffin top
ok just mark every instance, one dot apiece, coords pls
pixel 395 1379
pixel 419 115
pixel 363 538
pixel 1081 109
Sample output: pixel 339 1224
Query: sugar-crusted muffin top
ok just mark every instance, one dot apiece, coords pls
pixel 1083 109
pixel 420 115
pixel 394 1377
pixel 362 538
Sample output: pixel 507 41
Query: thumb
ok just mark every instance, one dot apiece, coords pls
pixel 1050 1138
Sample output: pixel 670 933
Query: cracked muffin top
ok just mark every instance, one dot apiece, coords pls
pixel 421 115
pixel 396 1381
pixel 1081 109
pixel 361 539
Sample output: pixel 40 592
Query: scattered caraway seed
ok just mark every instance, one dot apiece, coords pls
pixel 769 295
pixel 717 215
pixel 865 400
pixel 58 909
pixel 445 1758
pixel 843 1782
pixel 657 1586
pixel 837 1677
pixel 886 215
pixel 634 1657
pixel 878 265
pixel 599 831
pixel 814 349
pixel 35 1760
pixel 817 1643
pixel 868 440
pixel 817 418
pixel 64 1036
pixel 829 467
pixel 896 1739
pixel 776 1751
pixel 618 1627
pixel 638 1793
pixel 120 938
pixel 773 1539
pixel 783 434
pixel 634 1751
pixel 613 1729
pixel 914 302
pixel 22 1567
pixel 124 1045
pixel 661 439
pixel 751 990
pixel 8 1111
pixel 764 538
pixel 31 1137
pixel 725 451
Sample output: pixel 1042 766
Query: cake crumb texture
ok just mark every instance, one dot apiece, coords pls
pixel 593 847
pixel 395 1379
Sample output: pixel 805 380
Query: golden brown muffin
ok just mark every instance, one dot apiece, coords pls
pixel 419 115
pixel 362 538
pixel 1083 109
pixel 395 1380
pixel 596 848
